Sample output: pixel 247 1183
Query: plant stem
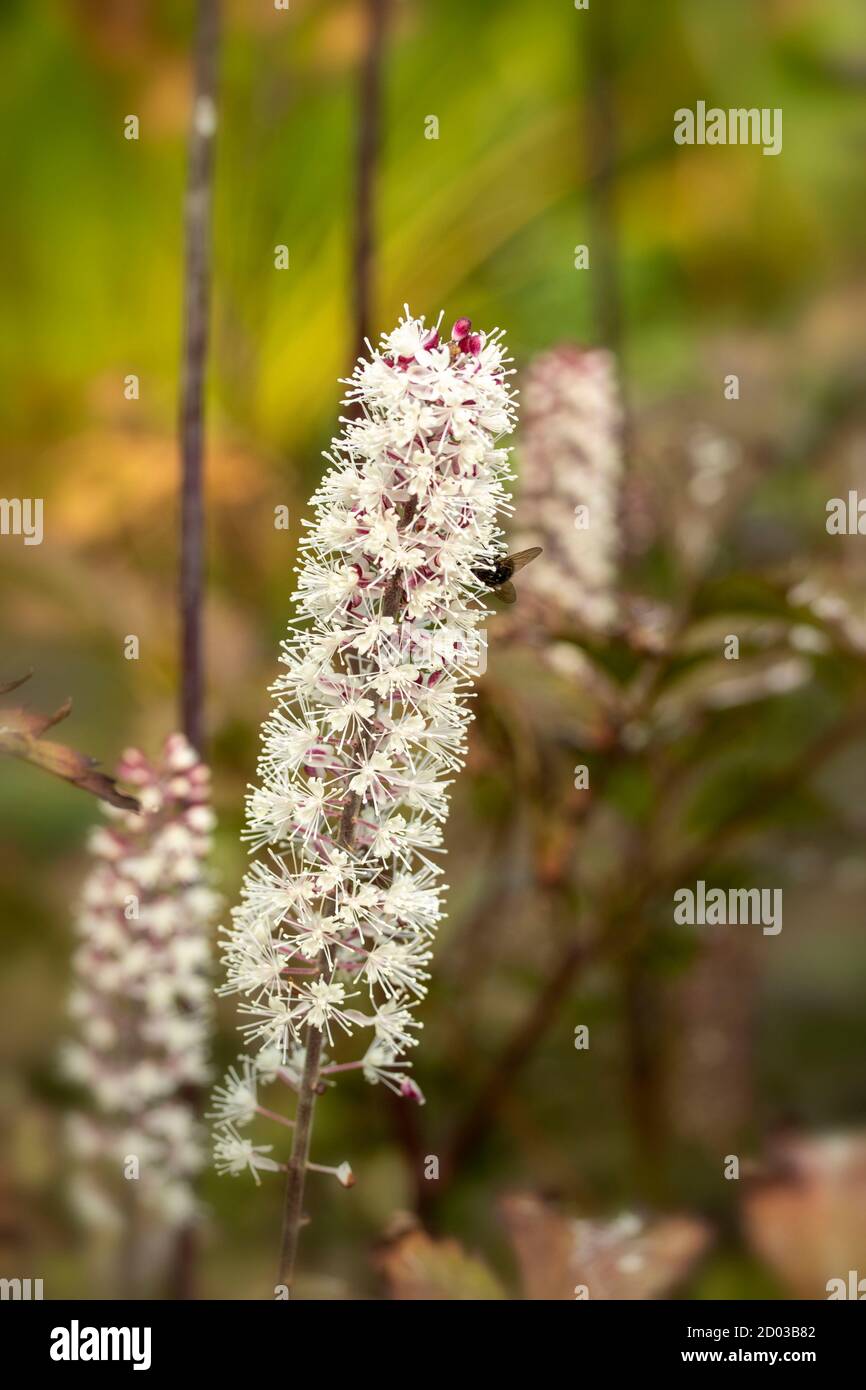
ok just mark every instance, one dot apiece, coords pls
pixel 600 118
pixel 197 219
pixel 297 1170
pixel 129 1273
pixel 642 1005
pixel 197 235
pixel 369 123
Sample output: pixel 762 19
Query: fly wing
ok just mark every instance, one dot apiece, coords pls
pixel 523 557
pixel 506 592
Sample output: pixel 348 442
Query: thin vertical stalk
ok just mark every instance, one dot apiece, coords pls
pixel 601 122
pixel 129 1271
pixel 643 1060
pixel 297 1169
pixel 642 1005
pixel 600 116
pixel 196 311
pixel 197 275
pixel 369 133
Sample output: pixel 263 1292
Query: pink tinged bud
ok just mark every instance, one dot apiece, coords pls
pixel 179 754
pixel 133 757
pixel 410 1091
pixel 431 341
pixel 134 767
pixel 461 328
pixel 472 344
pixel 345 1176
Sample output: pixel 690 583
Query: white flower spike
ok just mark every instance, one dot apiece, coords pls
pixel 333 933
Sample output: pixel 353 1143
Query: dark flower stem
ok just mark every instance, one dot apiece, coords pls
pixel 601 122
pixel 197 277
pixel 297 1168
pixel 600 119
pixel 369 129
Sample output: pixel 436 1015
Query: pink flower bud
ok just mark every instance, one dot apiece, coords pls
pixel 410 1091
pixel 345 1176
pixel 179 753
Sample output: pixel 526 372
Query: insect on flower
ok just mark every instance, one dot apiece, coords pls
pixel 498 577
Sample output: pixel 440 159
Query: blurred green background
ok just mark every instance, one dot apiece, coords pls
pixel 704 261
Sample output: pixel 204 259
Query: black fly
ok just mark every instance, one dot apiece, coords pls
pixel 499 575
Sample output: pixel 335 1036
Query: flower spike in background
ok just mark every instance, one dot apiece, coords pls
pixel 141 1003
pixel 571 473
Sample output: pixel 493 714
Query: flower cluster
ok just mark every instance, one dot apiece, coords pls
pixel 141 991
pixel 571 470
pixel 334 929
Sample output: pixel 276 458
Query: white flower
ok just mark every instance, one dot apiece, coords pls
pixel 392 1020
pixel 236 1100
pixel 268 1062
pixel 351 711
pixel 233 1154
pixel 319 1005
pixel 370 717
